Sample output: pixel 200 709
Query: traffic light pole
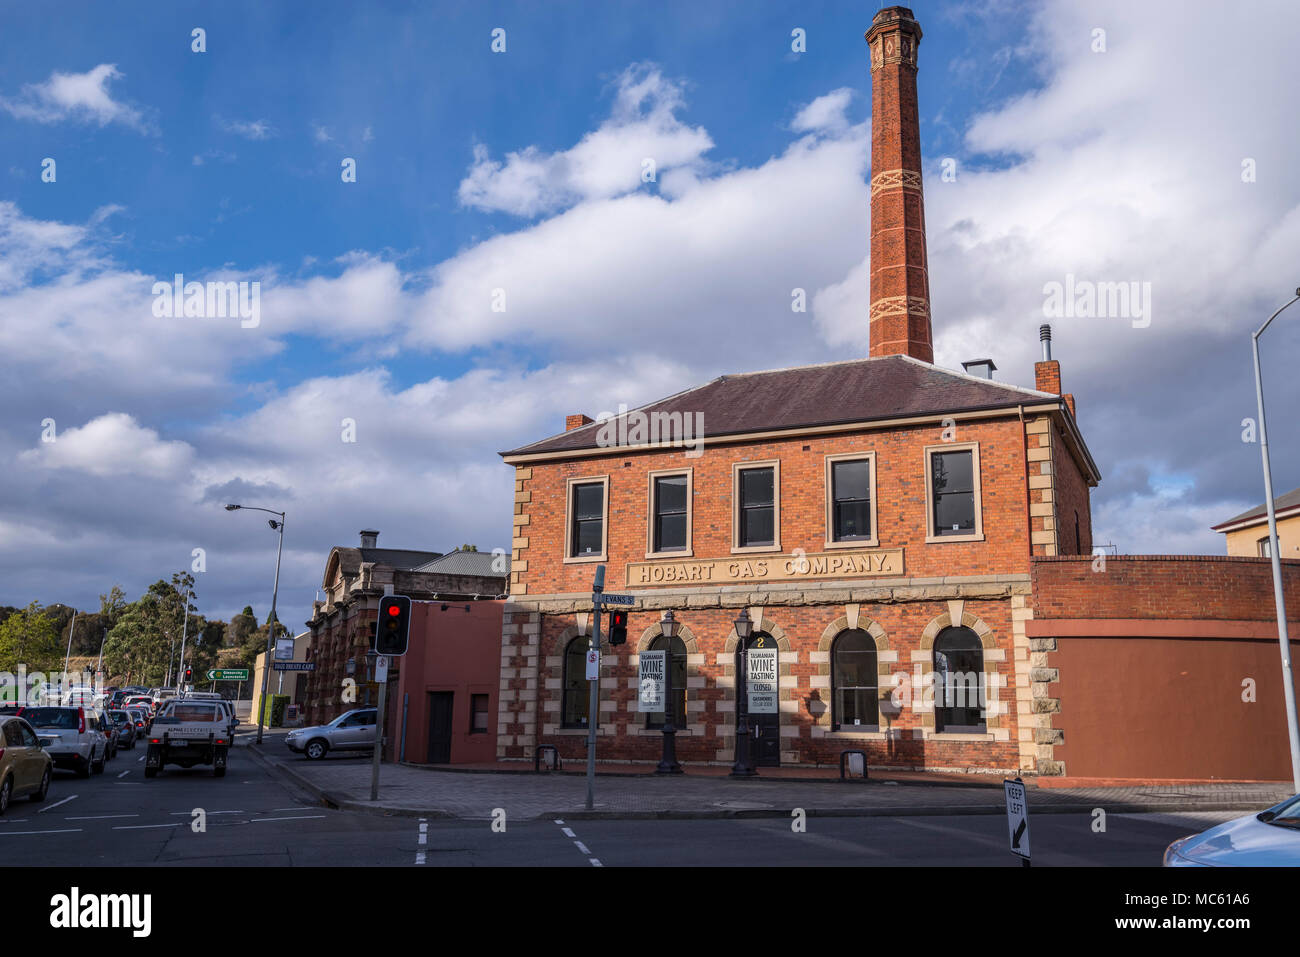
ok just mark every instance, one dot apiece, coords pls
pixel 593 702
pixel 379 738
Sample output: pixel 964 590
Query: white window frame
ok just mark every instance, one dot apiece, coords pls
pixel 569 557
pixel 978 535
pixel 829 493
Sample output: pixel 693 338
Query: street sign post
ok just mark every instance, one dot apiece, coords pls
pixel 650 682
pixel 593 664
pixel 227 674
pixel 760 682
pixel 593 701
pixel 381 669
pixel 1018 818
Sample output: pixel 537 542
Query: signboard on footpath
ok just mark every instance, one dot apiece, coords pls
pixel 761 680
pixel 650 682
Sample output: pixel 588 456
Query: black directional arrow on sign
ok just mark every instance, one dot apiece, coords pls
pixel 1015 838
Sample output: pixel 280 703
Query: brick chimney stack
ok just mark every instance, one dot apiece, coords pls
pixel 900 283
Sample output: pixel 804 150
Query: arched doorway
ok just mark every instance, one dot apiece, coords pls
pixel 764 729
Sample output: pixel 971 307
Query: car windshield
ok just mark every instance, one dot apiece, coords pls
pixel 119 717
pixel 63 719
pixel 194 712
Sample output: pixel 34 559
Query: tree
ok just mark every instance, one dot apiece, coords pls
pixel 30 636
pixel 468 548
pixel 146 640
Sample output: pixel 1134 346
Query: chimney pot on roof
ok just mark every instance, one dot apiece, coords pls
pixel 1045 335
pixel 576 421
pixel 368 537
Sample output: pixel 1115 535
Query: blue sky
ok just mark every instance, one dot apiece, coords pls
pixel 478 170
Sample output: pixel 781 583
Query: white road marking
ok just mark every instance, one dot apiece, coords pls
pixel 300 817
pixel 586 852
pixel 209 813
pixel 65 830
pixel 596 863
pixel 558 821
pixel 98 817
pixel 57 803
pixel 419 857
pixel 124 774
pixel 142 827
pixel 141 758
pixel 583 847
pixel 568 831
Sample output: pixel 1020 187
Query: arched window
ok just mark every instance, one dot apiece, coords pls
pixel 577 689
pixel 958 681
pixel 854 680
pixel 655 719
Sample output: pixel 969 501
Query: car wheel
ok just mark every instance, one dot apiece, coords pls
pixel 83 767
pixel 150 772
pixel 6 790
pixel 39 795
pixel 97 767
pixel 316 750
pixel 219 772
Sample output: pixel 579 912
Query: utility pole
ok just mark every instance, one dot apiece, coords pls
pixel 185 629
pixel 593 702
pixel 68 655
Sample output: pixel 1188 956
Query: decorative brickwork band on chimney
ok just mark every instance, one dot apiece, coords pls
pixel 900 283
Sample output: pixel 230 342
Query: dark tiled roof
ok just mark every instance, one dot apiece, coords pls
pixel 860 390
pixel 1290 500
pixel 403 558
pixel 478 564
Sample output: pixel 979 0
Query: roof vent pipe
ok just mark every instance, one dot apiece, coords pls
pixel 1045 334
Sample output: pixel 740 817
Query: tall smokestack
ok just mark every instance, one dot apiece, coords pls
pixel 900 283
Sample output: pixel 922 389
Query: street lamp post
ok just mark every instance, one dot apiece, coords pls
pixel 742 768
pixel 270 629
pixel 185 631
pixel 1279 599
pixel 669 627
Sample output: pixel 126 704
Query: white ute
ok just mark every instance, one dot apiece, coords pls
pixel 186 733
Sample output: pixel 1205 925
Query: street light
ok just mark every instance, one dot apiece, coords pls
pixel 669 627
pixel 270 628
pixel 742 767
pixel 1275 553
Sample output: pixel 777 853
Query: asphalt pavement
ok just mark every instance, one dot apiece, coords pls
pixel 257 816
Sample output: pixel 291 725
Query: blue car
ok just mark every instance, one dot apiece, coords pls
pixel 1268 839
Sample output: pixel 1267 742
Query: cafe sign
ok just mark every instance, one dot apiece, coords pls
pixel 858 563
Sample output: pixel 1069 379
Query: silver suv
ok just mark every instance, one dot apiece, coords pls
pixel 351 731
pixel 73 737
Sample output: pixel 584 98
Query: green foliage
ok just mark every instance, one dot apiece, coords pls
pixel 468 548
pixel 30 636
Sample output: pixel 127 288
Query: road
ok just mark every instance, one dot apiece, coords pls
pixel 253 818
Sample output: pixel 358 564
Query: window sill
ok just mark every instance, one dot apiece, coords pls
pixel 867 733
pixel 570 732
pixel 962 736
pixel 855 543
pixel 945 539
pixel 585 559
pixel 681 553
pixel 756 549
pixel 660 731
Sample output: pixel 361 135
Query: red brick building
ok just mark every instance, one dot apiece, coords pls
pixel 877 517
pixel 448 678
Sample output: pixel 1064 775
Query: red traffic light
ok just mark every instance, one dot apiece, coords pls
pixel 394 609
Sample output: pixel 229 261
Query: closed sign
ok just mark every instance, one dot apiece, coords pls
pixel 761 681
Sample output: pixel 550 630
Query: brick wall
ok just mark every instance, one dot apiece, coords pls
pixel 900 491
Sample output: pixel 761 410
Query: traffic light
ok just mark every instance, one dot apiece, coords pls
pixel 189 673
pixel 394 625
pixel 617 627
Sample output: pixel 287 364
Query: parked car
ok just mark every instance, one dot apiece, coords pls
pixel 71 736
pixel 25 767
pixel 351 731
pixel 109 730
pixel 126 729
pixel 1270 838
pixel 141 717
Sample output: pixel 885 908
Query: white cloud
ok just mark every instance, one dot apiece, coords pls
pixel 112 444
pixel 82 97
pixel 249 129
pixel 824 114
pixel 607 162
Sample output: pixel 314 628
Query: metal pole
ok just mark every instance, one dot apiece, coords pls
pixel 103 638
pixel 71 627
pixel 185 629
pixel 1279 598
pixel 270 635
pixel 379 738
pixel 593 702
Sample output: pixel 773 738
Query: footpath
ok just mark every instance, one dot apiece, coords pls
pixel 630 792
